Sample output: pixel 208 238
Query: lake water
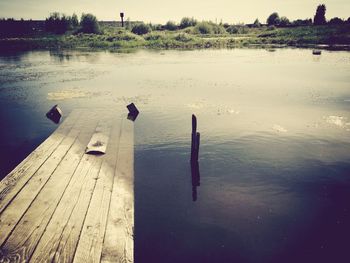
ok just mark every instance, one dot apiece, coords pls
pixel 275 151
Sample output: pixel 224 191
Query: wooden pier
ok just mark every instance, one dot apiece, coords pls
pixel 63 205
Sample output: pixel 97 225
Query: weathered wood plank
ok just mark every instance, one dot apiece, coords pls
pixel 89 248
pixel 16 179
pixel 28 231
pixel 118 244
pixel 59 241
pixel 15 210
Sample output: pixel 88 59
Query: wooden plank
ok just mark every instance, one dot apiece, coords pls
pixel 118 244
pixel 15 210
pixel 89 248
pixel 16 179
pixel 25 236
pixel 59 241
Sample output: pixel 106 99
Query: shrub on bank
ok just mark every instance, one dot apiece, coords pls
pixel 89 24
pixel 183 37
pixel 123 35
pixel 153 36
pixel 232 30
pixel 171 26
pixel 156 27
pixel 203 28
pixel 187 22
pixel 141 29
pixel 206 28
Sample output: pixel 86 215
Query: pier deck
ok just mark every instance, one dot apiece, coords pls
pixel 63 205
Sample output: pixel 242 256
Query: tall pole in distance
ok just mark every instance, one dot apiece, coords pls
pixel 122 18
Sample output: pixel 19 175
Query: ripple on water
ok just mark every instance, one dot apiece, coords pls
pixel 338 121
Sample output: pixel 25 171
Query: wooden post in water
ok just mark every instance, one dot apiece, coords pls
pixel 195 179
pixel 195 140
pixel 193 137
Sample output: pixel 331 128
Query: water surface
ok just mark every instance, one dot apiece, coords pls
pixel 274 159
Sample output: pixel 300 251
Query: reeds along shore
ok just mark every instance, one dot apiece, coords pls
pixel 112 36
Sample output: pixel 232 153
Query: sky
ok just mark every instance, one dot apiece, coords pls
pixel 161 11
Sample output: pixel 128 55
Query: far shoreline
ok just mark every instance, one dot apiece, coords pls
pixel 35 35
pixel 9 48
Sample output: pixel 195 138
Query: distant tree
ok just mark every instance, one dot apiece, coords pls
pixel 336 21
pixel 15 28
pixel 273 19
pixel 348 20
pixel 284 21
pixel 52 22
pixel 256 23
pixel 66 22
pixel 170 25
pixel 56 23
pixel 302 22
pixel 187 22
pixel 89 24
pixel 74 21
pixel 320 16
pixel 141 29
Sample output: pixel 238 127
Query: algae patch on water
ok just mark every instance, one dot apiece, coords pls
pixel 68 94
pixel 339 121
pixel 278 128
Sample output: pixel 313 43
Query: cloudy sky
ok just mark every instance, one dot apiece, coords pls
pixel 160 11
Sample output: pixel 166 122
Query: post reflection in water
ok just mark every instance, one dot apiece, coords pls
pixel 195 179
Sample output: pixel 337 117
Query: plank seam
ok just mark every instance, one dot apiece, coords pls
pixel 95 163
pixel 58 243
pixel 99 170
pixel 36 194
pixel 110 198
pixel 59 201
pixel 9 202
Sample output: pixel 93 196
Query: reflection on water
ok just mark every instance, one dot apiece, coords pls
pixel 195 179
pixel 274 160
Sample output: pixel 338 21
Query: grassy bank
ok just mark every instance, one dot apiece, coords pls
pixel 115 38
